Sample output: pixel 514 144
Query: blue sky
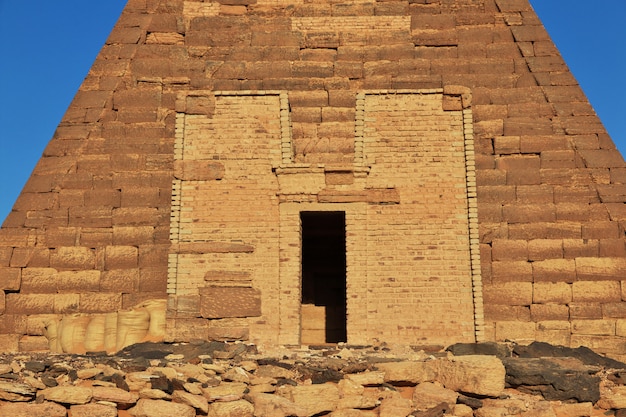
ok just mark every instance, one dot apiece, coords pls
pixel 47 48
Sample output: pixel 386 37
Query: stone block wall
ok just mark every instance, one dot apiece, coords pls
pixel 95 228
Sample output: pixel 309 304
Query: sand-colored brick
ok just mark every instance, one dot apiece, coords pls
pixel 120 257
pixel 554 270
pixel 600 268
pixel 10 278
pixel 593 327
pixel 504 271
pixel 554 312
pixel 517 331
pixel 509 293
pixel 542 249
pixel 73 258
pixel 596 291
pixel 585 310
pixel 509 250
pixel 552 292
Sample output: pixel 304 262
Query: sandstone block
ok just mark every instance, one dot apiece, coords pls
pixel 541 249
pixel 121 280
pixel 67 394
pixel 221 302
pixel 196 401
pixel 45 409
pixel 231 409
pixel 482 375
pixel 585 310
pixel 135 216
pixel 509 250
pixel 428 395
pixel 593 327
pixel 528 213
pixel 552 292
pixel 412 372
pixel 367 378
pixel 505 271
pixel 509 293
pixel 100 302
pixel 93 410
pixel 505 313
pixel 10 278
pixel 576 248
pixel 517 331
pixel 269 404
pixel 160 408
pixel 614 310
pixel 394 405
pixel 9 342
pixel 17 303
pixel 120 257
pixel 78 281
pixel 314 399
pixel 612 397
pixel 596 291
pixel 598 269
pixel 73 257
pixel 554 270
pixel 183 329
pixel 33 344
pixel 540 312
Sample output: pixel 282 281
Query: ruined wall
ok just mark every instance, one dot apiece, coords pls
pixel 98 226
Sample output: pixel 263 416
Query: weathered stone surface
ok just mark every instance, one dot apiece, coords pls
pixel 553 378
pixel 428 395
pixel 93 410
pixel 367 378
pixel 413 372
pixel 239 408
pixel 314 399
pixel 394 406
pixel 15 391
pixel 612 396
pixel 45 409
pixel 115 395
pixel 582 353
pixel 482 375
pixel 221 302
pixel 160 408
pixel 275 405
pixel 196 401
pixel 67 394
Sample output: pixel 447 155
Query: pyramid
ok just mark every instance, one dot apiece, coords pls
pixel 417 172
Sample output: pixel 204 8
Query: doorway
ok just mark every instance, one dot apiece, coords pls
pixel 323 309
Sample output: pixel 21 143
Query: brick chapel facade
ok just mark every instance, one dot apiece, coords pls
pixel 293 172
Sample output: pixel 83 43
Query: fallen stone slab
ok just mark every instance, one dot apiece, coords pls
pixel 582 353
pixel 472 374
pixel 160 408
pixel 554 378
pixel 45 409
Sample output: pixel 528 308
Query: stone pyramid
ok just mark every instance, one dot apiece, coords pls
pixel 419 172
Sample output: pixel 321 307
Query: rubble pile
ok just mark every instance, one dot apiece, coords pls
pixel 236 380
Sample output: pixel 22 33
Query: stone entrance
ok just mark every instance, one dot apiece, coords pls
pixel 323 309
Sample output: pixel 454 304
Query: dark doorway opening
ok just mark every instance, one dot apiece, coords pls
pixel 324 274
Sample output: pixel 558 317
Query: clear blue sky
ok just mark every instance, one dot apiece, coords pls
pixel 47 47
